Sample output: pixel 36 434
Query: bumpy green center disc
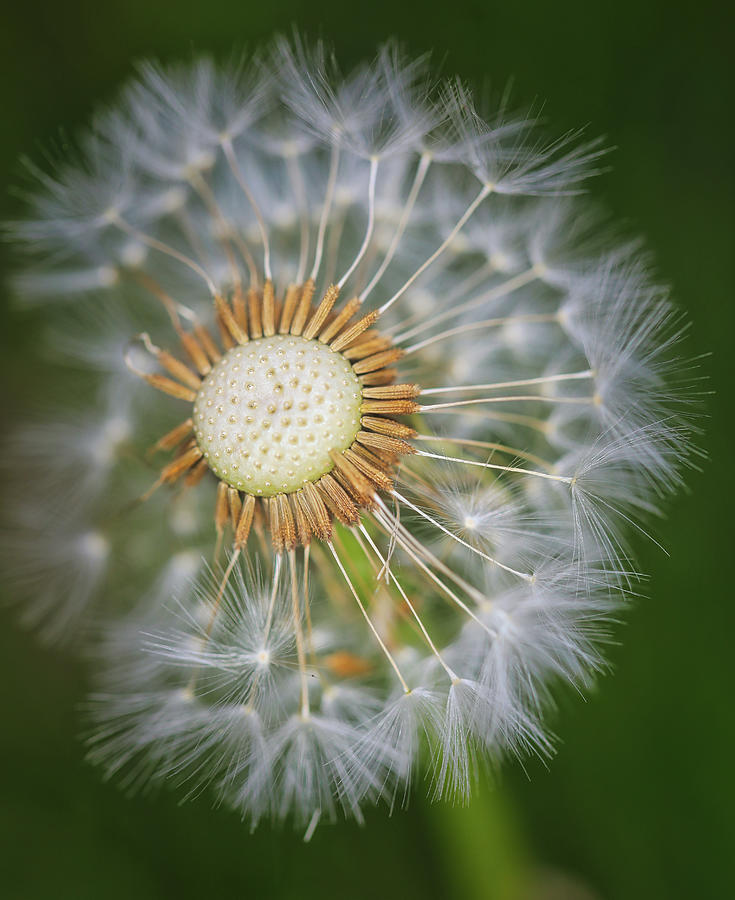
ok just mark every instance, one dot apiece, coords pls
pixel 269 413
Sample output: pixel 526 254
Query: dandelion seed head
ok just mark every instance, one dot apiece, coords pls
pixel 355 405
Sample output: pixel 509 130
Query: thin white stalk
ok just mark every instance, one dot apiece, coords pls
pixel 191 687
pixel 326 209
pixel 300 651
pixel 155 244
pixel 421 170
pixel 296 178
pixel 429 558
pixel 385 521
pixel 467 284
pixel 424 515
pixel 225 228
pixel 540 425
pixel 237 172
pixel 477 326
pixel 494 293
pixel 307 610
pixel 248 704
pixel 473 462
pixel 331 257
pixel 485 191
pixel 414 613
pixel 485 445
pixel 192 233
pixel 378 638
pixel 540 398
pixel 248 258
pixel 525 382
pixel 274 592
pixel 374 162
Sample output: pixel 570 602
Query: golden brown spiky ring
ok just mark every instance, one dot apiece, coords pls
pixel 356 462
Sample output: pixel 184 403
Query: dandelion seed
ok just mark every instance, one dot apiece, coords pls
pixel 379 398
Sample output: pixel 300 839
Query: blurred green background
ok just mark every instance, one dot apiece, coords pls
pixel 638 804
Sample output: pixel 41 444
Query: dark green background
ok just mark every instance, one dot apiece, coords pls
pixel 638 804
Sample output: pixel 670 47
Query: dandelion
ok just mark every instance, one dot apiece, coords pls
pixel 369 400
